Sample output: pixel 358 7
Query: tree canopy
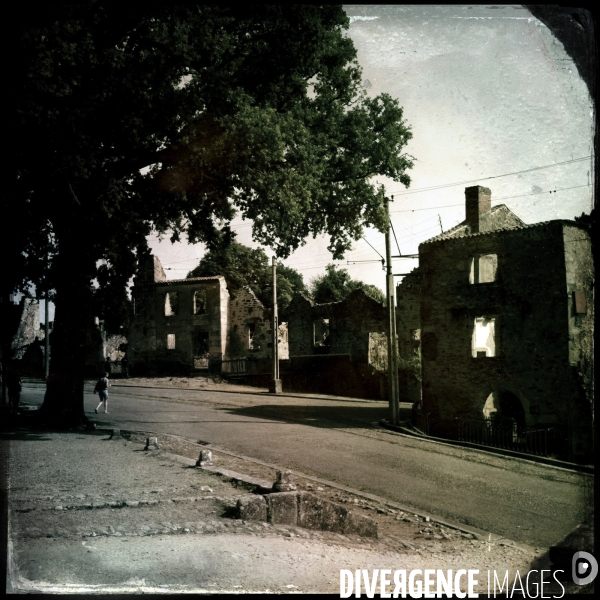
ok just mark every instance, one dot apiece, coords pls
pixel 245 266
pixel 176 117
pixel 336 284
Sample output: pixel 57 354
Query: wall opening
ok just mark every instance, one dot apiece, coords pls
pixel 251 329
pixel 200 346
pixel 484 268
pixel 171 304
pixel 505 406
pixel 170 341
pixel 200 302
pixel 321 332
pixel 484 337
pixel 415 338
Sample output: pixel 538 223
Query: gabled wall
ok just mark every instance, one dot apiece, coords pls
pixel 148 346
pixel 535 340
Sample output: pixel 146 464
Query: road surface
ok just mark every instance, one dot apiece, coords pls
pixel 339 440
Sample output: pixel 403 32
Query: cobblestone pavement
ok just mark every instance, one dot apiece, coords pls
pixel 93 515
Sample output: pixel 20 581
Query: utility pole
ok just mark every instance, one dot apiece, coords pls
pixel 392 348
pixel 47 340
pixel 275 387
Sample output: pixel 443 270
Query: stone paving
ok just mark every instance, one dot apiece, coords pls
pixel 75 497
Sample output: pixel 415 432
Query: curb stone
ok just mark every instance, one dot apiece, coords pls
pixel 477 534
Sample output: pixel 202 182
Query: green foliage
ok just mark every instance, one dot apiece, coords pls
pixel 244 266
pixel 176 117
pixel 336 284
pixel 256 109
pixel 410 368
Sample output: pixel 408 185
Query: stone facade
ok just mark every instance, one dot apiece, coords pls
pixel 187 325
pixel 179 325
pixel 28 329
pixel 250 331
pixel 408 330
pixel 336 347
pixel 506 321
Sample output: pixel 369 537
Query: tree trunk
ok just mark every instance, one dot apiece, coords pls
pixel 71 336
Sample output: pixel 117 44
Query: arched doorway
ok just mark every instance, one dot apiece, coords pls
pixel 511 408
pixel 505 417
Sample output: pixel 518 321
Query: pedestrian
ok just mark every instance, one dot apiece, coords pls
pixel 102 390
pixel 13 385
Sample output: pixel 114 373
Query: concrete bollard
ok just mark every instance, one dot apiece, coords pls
pixel 115 434
pixel 205 459
pixel 151 443
pixel 284 482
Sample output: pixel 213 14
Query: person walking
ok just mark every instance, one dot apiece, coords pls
pixel 102 390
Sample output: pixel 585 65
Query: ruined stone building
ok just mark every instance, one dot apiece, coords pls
pixel 186 325
pixel 338 347
pixel 23 337
pixel 28 330
pixel 505 320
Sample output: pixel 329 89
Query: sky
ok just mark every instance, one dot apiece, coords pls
pixel 487 92
pixel 492 99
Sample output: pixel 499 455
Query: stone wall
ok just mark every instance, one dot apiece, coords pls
pixel 331 345
pixel 28 329
pixel 169 336
pixel 529 301
pixel 336 327
pixel 580 292
pixel 408 329
pixel 250 331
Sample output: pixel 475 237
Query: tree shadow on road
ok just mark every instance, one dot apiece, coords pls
pixel 329 417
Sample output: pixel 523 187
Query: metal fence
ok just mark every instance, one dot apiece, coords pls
pixel 506 433
pixel 238 366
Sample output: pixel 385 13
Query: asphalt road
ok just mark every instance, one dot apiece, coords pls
pixel 338 440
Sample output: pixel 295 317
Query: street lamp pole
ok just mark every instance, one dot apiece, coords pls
pixel 275 387
pixel 47 340
pixel 392 348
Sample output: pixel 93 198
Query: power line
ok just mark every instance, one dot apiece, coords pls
pixel 495 199
pixel 445 185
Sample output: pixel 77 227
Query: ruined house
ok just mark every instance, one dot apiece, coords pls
pixel 192 325
pixel 337 347
pixel 22 336
pixel 505 323
pixel 28 330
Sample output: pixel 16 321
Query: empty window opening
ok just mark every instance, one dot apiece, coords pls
pixel 200 302
pixel 321 332
pixel 483 268
pixel 484 337
pixel 171 304
pixel 251 330
pixel 415 338
pixel 170 341
pixel 200 343
pixel 579 303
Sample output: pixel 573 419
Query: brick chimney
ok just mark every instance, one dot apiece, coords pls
pixel 478 202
